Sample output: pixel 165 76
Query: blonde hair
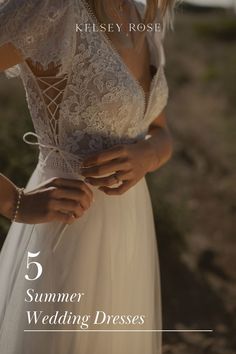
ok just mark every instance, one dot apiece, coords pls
pixel 164 6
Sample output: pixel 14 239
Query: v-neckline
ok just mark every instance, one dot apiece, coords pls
pixel 146 98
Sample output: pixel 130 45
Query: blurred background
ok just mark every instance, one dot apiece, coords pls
pixel 193 195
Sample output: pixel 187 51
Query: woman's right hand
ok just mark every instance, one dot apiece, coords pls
pixel 57 199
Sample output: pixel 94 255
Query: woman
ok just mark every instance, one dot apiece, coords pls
pixel 83 226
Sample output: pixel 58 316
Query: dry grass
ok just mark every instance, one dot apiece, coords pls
pixel 194 195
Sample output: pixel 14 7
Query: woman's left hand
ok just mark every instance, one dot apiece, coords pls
pixel 124 164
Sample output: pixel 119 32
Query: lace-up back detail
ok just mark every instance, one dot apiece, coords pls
pixel 96 104
pixel 52 89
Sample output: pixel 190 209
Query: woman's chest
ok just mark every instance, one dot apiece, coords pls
pixel 101 94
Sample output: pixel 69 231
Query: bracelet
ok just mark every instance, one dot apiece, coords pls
pixel 20 193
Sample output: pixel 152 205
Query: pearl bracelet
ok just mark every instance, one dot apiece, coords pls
pixel 20 193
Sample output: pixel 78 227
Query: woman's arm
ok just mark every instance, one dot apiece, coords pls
pixel 8 197
pixel 9 56
pixel 129 163
pixel 158 143
pixel 58 199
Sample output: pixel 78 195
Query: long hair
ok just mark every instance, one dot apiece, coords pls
pixel 164 6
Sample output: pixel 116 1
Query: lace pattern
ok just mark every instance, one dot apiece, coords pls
pixel 100 104
pixel 40 29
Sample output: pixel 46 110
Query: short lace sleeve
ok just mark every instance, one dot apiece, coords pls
pixel 41 30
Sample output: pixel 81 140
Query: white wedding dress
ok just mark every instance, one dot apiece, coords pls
pixel 109 254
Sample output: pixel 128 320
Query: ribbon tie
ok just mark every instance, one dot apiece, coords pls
pixel 65 155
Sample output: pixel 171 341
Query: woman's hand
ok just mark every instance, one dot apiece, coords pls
pixel 57 199
pixel 123 163
pixel 127 164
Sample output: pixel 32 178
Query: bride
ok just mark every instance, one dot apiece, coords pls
pixel 84 222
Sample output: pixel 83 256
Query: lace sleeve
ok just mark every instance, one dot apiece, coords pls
pixel 41 30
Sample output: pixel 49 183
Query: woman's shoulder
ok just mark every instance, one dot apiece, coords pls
pixel 29 10
pixel 37 28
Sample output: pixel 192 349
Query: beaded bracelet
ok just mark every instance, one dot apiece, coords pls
pixel 20 193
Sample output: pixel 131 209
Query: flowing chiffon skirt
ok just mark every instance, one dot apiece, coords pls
pixel 109 255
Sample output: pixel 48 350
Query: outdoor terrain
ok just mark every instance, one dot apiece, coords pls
pixel 193 195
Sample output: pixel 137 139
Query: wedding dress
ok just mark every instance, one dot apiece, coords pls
pixel 109 254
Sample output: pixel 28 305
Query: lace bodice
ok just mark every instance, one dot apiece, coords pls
pixel 95 103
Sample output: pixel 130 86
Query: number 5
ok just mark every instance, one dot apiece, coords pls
pixel 38 265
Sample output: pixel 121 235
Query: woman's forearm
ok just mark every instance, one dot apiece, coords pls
pixel 8 196
pixel 159 144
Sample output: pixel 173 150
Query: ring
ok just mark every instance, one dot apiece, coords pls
pixel 116 178
pixel 72 215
